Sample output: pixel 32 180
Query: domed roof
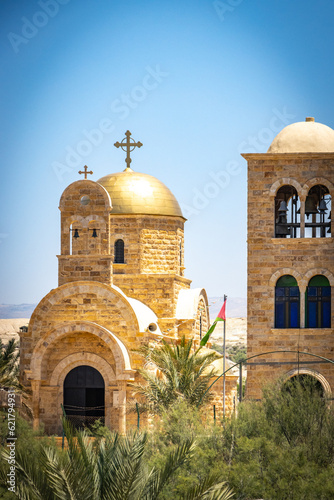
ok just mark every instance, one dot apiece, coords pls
pixel 304 137
pixel 135 193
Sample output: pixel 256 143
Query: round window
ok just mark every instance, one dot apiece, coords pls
pixel 85 200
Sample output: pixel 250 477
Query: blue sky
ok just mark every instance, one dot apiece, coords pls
pixel 197 82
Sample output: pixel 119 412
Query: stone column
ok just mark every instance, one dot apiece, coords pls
pixel 302 216
pixel 35 386
pixel 302 290
pixel 122 407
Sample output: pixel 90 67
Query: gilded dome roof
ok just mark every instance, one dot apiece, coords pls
pixel 304 137
pixel 135 193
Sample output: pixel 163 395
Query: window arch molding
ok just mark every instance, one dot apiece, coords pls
pixel 286 181
pixel 282 272
pixel 315 272
pixel 315 182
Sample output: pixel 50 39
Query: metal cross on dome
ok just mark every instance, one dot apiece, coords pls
pixel 85 172
pixel 129 144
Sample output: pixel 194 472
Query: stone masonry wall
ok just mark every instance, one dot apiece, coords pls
pixel 85 207
pixel 151 243
pixel 270 257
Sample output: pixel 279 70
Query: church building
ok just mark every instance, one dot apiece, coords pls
pixel 120 283
pixel 291 258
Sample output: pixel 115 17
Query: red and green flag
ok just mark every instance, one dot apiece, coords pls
pixel 221 317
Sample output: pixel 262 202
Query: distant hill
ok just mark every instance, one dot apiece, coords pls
pixel 236 307
pixel 9 311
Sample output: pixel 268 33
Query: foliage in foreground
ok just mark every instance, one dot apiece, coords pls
pixel 112 468
pixel 9 366
pixel 9 372
pixel 28 441
pixel 281 448
pixel 177 372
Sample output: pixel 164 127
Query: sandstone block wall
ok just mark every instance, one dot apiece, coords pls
pixel 270 257
pixel 152 244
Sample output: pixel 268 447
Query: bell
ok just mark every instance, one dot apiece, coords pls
pixel 76 233
pixel 94 235
pixel 310 206
pixel 322 206
pixel 283 206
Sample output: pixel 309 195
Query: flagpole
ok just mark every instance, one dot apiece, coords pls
pixel 224 360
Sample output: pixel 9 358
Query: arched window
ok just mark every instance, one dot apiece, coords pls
pixel 318 213
pixel 286 302
pixel 318 303
pixel 287 213
pixel 119 252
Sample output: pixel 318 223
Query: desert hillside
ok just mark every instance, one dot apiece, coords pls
pixel 9 328
pixel 236 331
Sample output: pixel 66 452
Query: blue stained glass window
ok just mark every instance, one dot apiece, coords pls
pixel 287 303
pixel 312 315
pixel 279 315
pixel 326 315
pixel 294 315
pixel 318 303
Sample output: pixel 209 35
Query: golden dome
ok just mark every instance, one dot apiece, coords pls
pixel 304 137
pixel 135 193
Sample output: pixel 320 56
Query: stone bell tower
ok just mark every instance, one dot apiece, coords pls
pixel 85 208
pixel 291 257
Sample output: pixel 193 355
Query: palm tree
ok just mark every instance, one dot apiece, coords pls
pixel 175 371
pixel 112 468
pixel 9 367
pixel 9 373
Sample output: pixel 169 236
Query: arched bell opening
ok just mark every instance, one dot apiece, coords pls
pixel 75 231
pixel 318 212
pixel 84 396
pixel 287 213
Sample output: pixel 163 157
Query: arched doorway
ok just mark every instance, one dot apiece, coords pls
pixel 307 382
pixel 84 396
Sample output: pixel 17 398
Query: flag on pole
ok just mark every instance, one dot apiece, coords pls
pixel 221 317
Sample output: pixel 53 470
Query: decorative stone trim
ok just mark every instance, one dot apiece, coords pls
pixel 119 350
pixel 283 272
pixel 286 181
pixel 312 373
